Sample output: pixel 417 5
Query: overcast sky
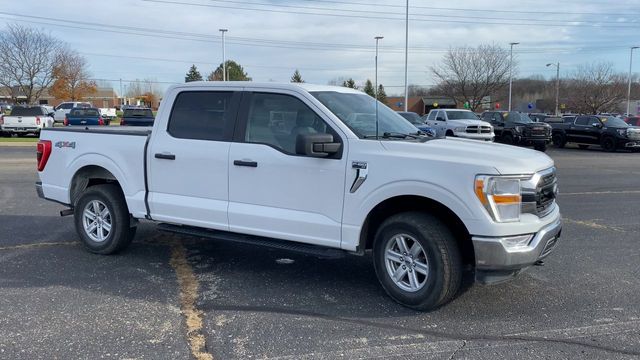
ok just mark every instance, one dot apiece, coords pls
pixel 328 39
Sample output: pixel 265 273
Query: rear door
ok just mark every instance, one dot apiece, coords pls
pixel 275 192
pixel 582 131
pixel 188 157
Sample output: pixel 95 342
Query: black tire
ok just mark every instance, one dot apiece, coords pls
pixel 440 250
pixel 507 139
pixel 120 234
pixel 559 141
pixel 583 146
pixel 608 144
pixel 540 146
pixel 449 133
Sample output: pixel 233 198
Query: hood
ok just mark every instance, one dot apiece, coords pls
pixel 505 159
pixel 468 123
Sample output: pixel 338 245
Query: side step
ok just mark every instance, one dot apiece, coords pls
pixel 313 250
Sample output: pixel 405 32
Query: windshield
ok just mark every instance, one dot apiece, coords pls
pixel 613 121
pixel 514 116
pixel 26 111
pixel 358 112
pixel 413 118
pixel 138 113
pixel 461 115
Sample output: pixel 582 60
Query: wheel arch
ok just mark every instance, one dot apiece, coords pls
pixel 404 203
pixel 87 176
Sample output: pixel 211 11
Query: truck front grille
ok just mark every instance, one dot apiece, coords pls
pixel 539 193
pixel 478 129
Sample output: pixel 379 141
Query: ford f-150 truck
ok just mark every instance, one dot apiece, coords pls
pixel 311 169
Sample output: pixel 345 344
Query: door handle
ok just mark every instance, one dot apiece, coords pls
pixel 165 156
pixel 245 163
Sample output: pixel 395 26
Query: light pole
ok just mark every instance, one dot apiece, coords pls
pixel 511 71
pixel 224 65
pixel 406 59
pixel 557 65
pixel 629 88
pixel 378 38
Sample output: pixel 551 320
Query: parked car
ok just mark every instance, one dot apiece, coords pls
pixel 633 120
pixel 25 120
pixel 514 128
pixel 459 123
pixel 108 114
pixel 609 132
pixel 84 116
pixel 137 117
pixel 63 109
pixel 310 181
pixel 417 121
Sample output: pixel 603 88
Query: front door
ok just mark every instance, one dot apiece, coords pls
pixel 275 192
pixel 188 163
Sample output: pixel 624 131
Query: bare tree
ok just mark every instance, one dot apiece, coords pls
pixel 27 60
pixel 71 77
pixel 469 74
pixel 595 88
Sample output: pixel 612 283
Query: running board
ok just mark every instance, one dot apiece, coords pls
pixel 313 250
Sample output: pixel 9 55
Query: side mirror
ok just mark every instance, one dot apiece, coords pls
pixel 316 145
pixel 596 125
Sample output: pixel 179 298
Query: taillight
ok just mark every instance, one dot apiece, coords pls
pixel 43 152
pixel 122 122
pixel 66 121
pixel 100 121
pixel 37 120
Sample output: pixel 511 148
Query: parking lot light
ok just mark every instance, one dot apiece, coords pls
pixel 224 65
pixel 557 65
pixel 511 70
pixel 629 88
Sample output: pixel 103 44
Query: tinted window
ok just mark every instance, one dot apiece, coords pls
pixel 440 116
pixel 432 115
pixel 138 113
pixel 65 106
pixel 569 119
pixel 413 118
pixel 202 115
pixel 613 121
pixel 496 117
pixel 516 117
pixel 584 121
pixel 277 120
pixel 24 111
pixel 85 112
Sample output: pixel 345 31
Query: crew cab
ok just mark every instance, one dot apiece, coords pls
pixel 610 132
pixel 459 123
pixel 300 167
pixel 514 128
pixel 64 108
pixel 25 120
pixel 84 116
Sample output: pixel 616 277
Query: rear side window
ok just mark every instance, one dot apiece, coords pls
pixel 202 115
pixel 583 121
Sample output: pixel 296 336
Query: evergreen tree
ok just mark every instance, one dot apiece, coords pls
pixel 297 78
pixel 382 95
pixel 193 74
pixel 369 89
pixel 235 72
pixel 350 83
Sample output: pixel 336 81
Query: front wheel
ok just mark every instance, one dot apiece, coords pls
pixel 558 140
pixel 417 260
pixel 608 144
pixel 102 219
pixel 540 146
pixel 507 139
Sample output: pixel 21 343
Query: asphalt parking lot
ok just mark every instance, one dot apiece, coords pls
pixel 59 301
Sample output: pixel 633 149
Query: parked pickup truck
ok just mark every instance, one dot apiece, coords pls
pixel 24 120
pixel 610 132
pixel 459 123
pixel 514 128
pixel 289 166
pixel 108 114
pixel 84 116
pixel 137 117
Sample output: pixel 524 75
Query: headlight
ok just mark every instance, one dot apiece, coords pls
pixel 500 196
pixel 519 129
pixel 622 132
pixel 460 129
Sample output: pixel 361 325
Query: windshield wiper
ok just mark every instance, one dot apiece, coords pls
pixel 395 135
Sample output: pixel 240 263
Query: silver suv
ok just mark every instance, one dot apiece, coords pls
pixel 459 123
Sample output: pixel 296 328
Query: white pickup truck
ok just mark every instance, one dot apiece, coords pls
pixel 288 166
pixel 24 120
pixel 459 123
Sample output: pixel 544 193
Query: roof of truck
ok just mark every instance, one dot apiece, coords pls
pixel 270 85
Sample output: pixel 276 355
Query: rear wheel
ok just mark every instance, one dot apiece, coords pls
pixel 102 219
pixel 417 260
pixel 540 146
pixel 608 144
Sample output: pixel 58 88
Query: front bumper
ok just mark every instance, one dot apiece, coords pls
pixel 484 137
pixel 496 262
